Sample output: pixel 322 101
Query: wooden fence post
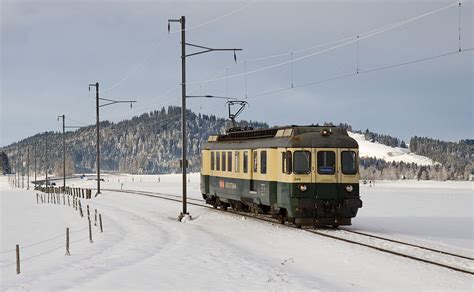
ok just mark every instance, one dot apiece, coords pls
pixel 18 259
pixel 80 208
pixel 95 218
pixel 67 241
pixel 90 230
pixel 68 202
pixel 37 201
pixel 100 223
pixel 88 213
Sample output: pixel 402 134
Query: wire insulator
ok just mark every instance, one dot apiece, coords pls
pixel 459 26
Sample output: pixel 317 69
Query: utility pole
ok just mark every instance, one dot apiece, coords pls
pixel 97 106
pixel 46 159
pixel 98 135
pixel 22 173
pixel 35 162
pixel 28 167
pixel 184 162
pixel 64 152
pixel 18 170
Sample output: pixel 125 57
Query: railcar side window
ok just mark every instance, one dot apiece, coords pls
pixel 229 161
pixel 212 160
pixel 237 161
pixel 246 161
pixel 326 162
pixel 218 160
pixel 289 163
pixel 283 158
pixel 349 162
pixel 263 161
pixel 223 160
pixel 255 161
pixel 301 162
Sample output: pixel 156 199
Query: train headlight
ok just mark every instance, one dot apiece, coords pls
pixel 349 188
pixel 303 188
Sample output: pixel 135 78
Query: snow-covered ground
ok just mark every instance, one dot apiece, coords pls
pixel 144 247
pixel 387 153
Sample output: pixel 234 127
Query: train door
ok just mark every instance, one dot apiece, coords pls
pixel 253 169
pixel 326 174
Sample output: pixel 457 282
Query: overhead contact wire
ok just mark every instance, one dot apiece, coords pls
pixel 363 36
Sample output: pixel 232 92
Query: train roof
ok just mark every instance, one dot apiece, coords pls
pixel 283 137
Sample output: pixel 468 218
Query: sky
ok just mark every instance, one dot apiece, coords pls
pixel 52 50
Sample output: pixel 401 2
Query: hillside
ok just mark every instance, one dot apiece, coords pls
pixel 380 151
pixel 150 143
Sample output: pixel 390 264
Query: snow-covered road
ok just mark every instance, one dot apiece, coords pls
pixel 144 247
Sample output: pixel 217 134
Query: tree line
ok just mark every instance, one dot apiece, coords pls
pixel 151 144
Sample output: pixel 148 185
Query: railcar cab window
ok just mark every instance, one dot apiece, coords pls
pixel 223 160
pixel 218 160
pixel 246 162
pixel 301 162
pixel 263 162
pixel 229 161
pixel 326 162
pixel 289 162
pixel 212 160
pixel 349 162
pixel 283 160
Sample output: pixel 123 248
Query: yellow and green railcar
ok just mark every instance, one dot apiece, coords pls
pixel 307 175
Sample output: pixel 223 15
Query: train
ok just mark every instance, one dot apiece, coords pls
pixel 305 175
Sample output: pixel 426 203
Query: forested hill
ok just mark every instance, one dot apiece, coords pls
pixel 457 158
pixel 150 143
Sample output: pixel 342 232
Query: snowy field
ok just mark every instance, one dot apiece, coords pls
pixel 144 247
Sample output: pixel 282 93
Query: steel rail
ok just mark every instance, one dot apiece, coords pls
pixel 408 244
pixel 269 220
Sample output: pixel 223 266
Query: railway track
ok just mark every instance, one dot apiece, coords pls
pixel 449 260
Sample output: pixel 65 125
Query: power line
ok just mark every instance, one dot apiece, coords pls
pixel 76 121
pixel 362 36
pixel 142 64
pixel 216 19
pixel 169 98
pixel 361 72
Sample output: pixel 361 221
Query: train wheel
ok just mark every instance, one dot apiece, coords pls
pixel 335 226
pixel 282 217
